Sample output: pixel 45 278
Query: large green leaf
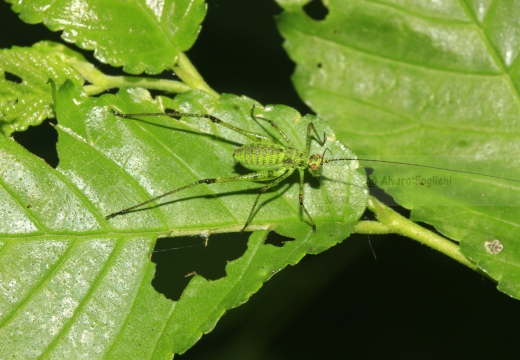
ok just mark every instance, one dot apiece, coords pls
pixel 432 83
pixel 77 284
pixel 138 35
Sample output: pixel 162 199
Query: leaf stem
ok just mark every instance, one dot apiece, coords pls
pixel 100 82
pixel 372 228
pixel 392 222
pixel 111 82
pixel 187 72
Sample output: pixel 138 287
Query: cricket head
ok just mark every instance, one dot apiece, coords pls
pixel 315 163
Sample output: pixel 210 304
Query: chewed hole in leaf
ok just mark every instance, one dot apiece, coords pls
pixel 178 259
pixel 41 141
pixel 276 239
pixel 316 10
pixel 12 77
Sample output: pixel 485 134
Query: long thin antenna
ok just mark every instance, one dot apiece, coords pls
pixel 423 166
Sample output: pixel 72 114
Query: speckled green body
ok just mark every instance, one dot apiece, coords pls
pixel 269 156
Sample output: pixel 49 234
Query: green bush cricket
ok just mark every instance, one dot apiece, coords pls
pixel 270 160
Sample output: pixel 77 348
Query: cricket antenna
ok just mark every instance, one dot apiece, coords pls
pixel 423 166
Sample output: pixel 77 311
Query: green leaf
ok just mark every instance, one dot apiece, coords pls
pixel 138 35
pixel 61 273
pixel 427 83
pixel 28 101
pixel 152 173
pixel 78 284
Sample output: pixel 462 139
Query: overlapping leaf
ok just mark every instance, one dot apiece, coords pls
pixel 427 83
pixel 138 35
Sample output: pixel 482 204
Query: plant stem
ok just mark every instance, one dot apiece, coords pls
pixel 100 82
pixel 371 228
pixel 111 82
pixel 392 222
pixel 189 74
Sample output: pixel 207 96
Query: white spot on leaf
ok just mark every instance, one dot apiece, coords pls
pixel 493 247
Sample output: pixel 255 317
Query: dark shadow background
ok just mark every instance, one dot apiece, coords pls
pixel 401 300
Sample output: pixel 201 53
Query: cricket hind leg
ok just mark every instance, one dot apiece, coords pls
pixel 263 175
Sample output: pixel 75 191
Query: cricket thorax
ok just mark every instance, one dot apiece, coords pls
pixel 264 156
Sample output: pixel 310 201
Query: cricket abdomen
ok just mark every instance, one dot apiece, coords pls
pixel 263 156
